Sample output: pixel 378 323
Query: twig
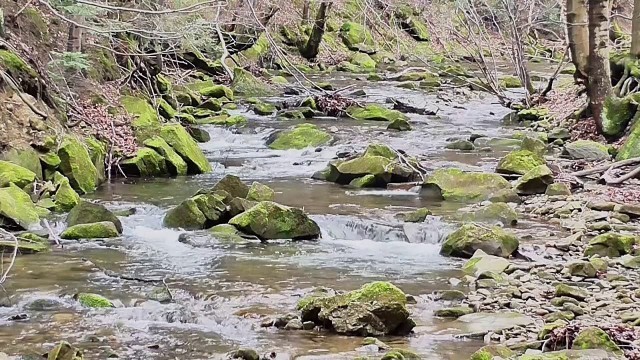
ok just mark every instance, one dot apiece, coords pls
pixel 603 168
pixel 22 8
pixel 225 52
pixel 610 180
pixel 15 88
pixel 13 256
pixel 52 234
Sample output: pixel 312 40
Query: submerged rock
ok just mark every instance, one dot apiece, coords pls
pixel 269 220
pixel 17 209
pixel 93 300
pixel 399 125
pixel 86 213
pixel 416 216
pixel 98 230
pixel 11 173
pixel 456 185
pixel 467 239
pixel 519 162
pixel 300 137
pixel 376 309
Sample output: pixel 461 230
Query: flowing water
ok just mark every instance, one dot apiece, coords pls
pixel 220 290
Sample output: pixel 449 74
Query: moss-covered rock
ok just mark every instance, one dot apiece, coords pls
pixel 98 230
pixel 145 162
pixel 375 112
pixel 224 120
pixel 364 182
pixel 260 192
pixel 65 197
pixel 265 109
pixel 210 105
pixel 496 212
pixel 93 301
pixel 233 186
pixel 557 189
pixel 489 352
pixel 146 123
pixel 25 245
pixel 17 209
pixel 199 212
pixel 416 216
pixel 399 125
pixel 571 291
pixel 363 61
pixel 586 150
pixel 49 160
pixel 174 163
pixel 416 28
pixel 535 181
pixel 631 147
pixel 217 91
pixel 76 164
pixel 510 82
pixel 469 238
pixel 595 338
pixel 456 185
pixel 611 244
pixel 519 162
pixel 533 114
pixel 533 144
pixel 453 312
pixel 64 351
pixel 87 213
pixel 28 158
pixel 616 115
pixel 269 220
pixel 15 174
pixel 179 139
pixel 357 38
pixel 376 309
pixel 244 83
pixel 97 152
pixel 300 137
pixel 227 233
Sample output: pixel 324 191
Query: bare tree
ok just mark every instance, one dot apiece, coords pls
pixel 578 33
pixel 599 87
pixel 312 47
pixel 635 30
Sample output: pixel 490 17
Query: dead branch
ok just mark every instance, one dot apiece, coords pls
pixel 603 168
pixel 225 53
pixel 9 235
pixel 611 180
pixel 12 84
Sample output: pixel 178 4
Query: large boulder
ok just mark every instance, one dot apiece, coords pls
pixel 175 164
pixel 260 192
pixel 28 158
pixel 596 338
pixel 481 263
pixel 376 309
pixel 469 238
pixel 11 173
pixel 268 220
pixel 631 147
pixel 356 37
pixel 145 162
pixel 98 153
pixel 17 209
pixel 97 230
pixel 519 162
pixel 457 185
pixel 199 212
pixel 611 245
pixel 179 139
pixel 616 115
pixel 496 212
pixel 300 137
pixel 65 198
pixel 535 181
pixel 245 83
pixel 76 164
pixel 232 185
pixel 375 112
pixel 586 150
pixel 87 212
pixel 146 123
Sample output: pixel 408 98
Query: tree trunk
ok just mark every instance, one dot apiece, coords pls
pixel 312 47
pixel 635 29
pixel 599 86
pixel 578 32
pixel 305 12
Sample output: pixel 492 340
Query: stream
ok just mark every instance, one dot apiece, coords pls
pixel 221 291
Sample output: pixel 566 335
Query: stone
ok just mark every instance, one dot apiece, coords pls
pixel 179 139
pixel 98 154
pixel 453 312
pixel 463 145
pixel 547 328
pixel 519 162
pixel 616 115
pixel 65 198
pixel 611 244
pixel 586 150
pixel 451 295
pixel 629 209
pixel 217 91
pixel 571 291
pixel 94 301
pixel 269 220
pixel 568 355
pixel 416 216
pixel 26 157
pixel 244 354
pixel 145 163
pixel 595 338
pixel 98 230
pixel 15 174
pixel 375 112
pixel 559 134
pixel 399 125
pixel 581 268
pixel 77 165
pixel 599 264
pixel 557 189
pixel 174 163
pixel 483 322
pixel 630 261
pixel 470 237
pixel 376 309
pixel 497 212
pixel 264 109
pixel 456 185
pixel 481 263
pixel 364 182
pixel 362 61
pixel 535 181
pixel 232 185
pixel 294 324
pixel 87 212
pixel 246 84
pixel 300 137
pixel 489 352
pixel 198 212
pixel 356 37
pixel 64 351
pixel 25 245
pixel 199 135
pixel 260 192
pixel 416 28
pixel 17 209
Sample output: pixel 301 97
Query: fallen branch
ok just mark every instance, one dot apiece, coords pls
pixel 225 52
pixel 603 168
pixel 12 84
pixel 5 233
pixel 611 180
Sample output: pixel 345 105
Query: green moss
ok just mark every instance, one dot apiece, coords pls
pixel 186 216
pixel 97 152
pixel 375 112
pixel 510 82
pixel 179 139
pixel 457 185
pixel 146 123
pixel 88 213
pixel 364 181
pixel 246 84
pixel 399 125
pixel 300 137
pixel 470 237
pixel 77 165
pixel 65 197
pixel 356 37
pixel 264 109
pixel 617 113
pixel 416 28
pixel 103 64
pixel 259 49
pixel 175 164
pixel 595 338
pixel 24 246
pixel 269 220
pixel 535 181
pixel 363 61
pixel 145 162
pixel 217 91
pixel 490 351
pixel 631 146
pixel 260 192
pixel 611 244
pixel 98 230
pixel 533 114
pixel 93 301
pixel 416 216
pixel 15 65
pixel 165 109
pixel 224 120
pixel 519 162
pixel 15 174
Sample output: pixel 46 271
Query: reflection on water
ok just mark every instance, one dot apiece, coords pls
pixel 222 290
